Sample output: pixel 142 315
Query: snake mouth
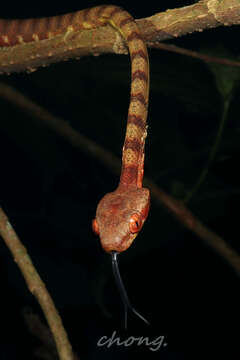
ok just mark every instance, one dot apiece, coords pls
pixel 123 293
pixel 118 246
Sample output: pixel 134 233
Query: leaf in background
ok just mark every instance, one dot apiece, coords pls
pixel 226 77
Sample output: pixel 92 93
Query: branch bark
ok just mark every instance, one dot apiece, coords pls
pixel 36 287
pixel 203 15
pixel 162 26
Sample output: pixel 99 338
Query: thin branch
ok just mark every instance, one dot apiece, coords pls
pixel 41 331
pixel 36 287
pixel 60 126
pixel 176 207
pixel 194 54
pixel 212 154
pixel 170 24
pixel 191 222
pixel 47 348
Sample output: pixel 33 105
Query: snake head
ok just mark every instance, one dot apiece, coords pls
pixel 120 216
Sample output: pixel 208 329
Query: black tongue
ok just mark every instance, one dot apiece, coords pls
pixel 122 290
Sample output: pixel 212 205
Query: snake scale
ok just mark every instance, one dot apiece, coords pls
pixel 120 214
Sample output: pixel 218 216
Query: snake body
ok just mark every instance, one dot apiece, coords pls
pixel 120 214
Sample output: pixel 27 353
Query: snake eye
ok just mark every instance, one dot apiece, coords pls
pixel 135 223
pixel 95 226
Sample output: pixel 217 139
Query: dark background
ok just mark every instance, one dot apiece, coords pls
pixel 50 190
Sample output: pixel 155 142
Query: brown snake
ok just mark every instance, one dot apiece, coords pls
pixel 120 214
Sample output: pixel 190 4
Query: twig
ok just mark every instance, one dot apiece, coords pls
pixel 41 331
pixel 36 287
pixel 211 156
pixel 60 126
pixel 191 222
pixel 176 207
pixel 194 54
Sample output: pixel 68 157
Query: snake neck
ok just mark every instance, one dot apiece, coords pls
pixel 28 41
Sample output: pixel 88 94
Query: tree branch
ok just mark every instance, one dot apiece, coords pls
pixel 195 54
pixel 162 26
pixel 192 223
pixel 174 206
pixel 203 15
pixel 36 287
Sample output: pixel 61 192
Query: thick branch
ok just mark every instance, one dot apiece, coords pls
pixel 177 22
pixel 166 25
pixel 36 287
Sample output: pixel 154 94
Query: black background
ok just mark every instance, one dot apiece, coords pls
pixel 50 190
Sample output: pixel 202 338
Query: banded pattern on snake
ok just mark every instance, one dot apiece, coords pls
pixel 120 214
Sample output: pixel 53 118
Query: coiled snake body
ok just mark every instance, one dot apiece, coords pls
pixel 120 214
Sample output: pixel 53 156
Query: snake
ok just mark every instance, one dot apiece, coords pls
pixel 120 214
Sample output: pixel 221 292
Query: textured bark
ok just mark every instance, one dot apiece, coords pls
pixel 162 26
pixel 36 287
